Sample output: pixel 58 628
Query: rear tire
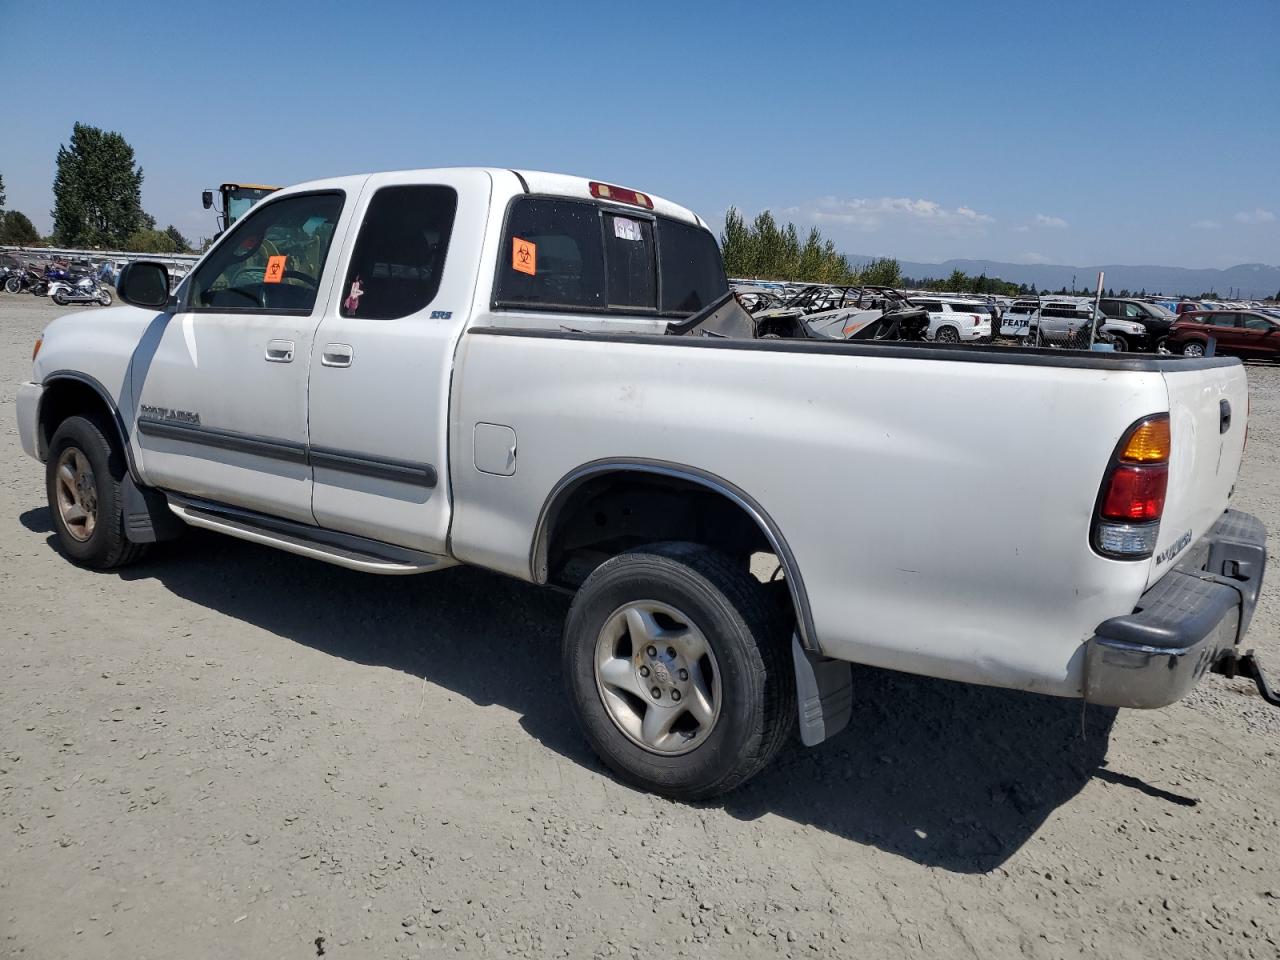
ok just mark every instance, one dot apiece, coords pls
pixel 13 285
pixel 707 621
pixel 84 482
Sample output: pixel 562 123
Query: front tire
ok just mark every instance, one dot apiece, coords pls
pixel 60 298
pixel 947 335
pixel 678 672
pixel 13 285
pixel 104 298
pixel 84 478
pixel 1193 349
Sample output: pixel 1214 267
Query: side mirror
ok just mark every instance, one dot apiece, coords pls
pixel 144 284
pixel 207 199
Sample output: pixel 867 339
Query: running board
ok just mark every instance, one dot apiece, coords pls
pixel 355 553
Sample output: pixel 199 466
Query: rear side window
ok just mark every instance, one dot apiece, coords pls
pixel 692 271
pixel 552 255
pixel 399 256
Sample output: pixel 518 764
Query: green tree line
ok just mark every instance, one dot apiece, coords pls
pixel 763 250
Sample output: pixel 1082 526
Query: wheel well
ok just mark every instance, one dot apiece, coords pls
pixel 588 521
pixel 68 398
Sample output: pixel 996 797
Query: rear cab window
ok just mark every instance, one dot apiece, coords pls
pixel 564 254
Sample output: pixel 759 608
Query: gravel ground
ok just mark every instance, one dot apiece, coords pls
pixel 229 751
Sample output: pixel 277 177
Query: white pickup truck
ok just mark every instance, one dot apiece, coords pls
pixel 536 374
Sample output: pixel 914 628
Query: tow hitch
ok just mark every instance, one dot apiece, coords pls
pixel 1248 665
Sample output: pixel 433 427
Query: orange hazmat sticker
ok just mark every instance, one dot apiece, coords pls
pixel 275 269
pixel 524 256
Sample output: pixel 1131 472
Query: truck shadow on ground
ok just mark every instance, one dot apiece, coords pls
pixel 944 774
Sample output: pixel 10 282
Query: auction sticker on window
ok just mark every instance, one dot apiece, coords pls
pixel 275 269
pixel 625 229
pixel 524 256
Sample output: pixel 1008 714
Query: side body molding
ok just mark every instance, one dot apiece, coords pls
pixel 561 492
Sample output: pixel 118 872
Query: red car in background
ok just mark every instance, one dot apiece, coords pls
pixel 1253 334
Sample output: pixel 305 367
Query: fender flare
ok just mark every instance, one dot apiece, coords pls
pixel 571 481
pixel 105 396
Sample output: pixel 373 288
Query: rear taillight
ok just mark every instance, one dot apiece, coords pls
pixel 1131 501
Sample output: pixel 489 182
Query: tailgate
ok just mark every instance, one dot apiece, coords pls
pixel 1205 457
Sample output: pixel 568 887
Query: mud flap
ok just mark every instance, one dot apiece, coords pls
pixel 824 694
pixel 147 517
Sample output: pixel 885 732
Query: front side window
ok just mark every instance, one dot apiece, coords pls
pixel 552 255
pixel 399 256
pixel 272 260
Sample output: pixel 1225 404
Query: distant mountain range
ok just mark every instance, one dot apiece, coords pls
pixel 1246 280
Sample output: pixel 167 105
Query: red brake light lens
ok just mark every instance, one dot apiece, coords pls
pixel 1136 492
pixel 605 191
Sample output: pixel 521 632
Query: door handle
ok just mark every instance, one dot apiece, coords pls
pixel 279 351
pixel 336 355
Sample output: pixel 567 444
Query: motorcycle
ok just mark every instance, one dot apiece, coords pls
pixel 78 290
pixel 24 278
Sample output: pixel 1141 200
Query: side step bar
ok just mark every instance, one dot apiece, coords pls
pixel 355 553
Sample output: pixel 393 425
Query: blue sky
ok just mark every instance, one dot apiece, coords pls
pixel 1086 133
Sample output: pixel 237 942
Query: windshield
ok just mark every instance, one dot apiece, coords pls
pixel 239 200
pixel 1160 310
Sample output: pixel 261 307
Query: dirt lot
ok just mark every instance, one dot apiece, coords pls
pixel 231 752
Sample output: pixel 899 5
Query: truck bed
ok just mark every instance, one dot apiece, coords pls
pixel 937 499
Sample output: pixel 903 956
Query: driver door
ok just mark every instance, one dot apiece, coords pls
pixel 222 382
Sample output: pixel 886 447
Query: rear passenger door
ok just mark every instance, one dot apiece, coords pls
pixel 1223 329
pixel 383 353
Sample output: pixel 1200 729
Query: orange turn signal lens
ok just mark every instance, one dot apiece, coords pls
pixel 36 349
pixel 1149 442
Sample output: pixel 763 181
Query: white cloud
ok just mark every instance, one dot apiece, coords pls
pixel 1206 225
pixel 1034 258
pixel 1057 223
pixel 1257 215
pixel 870 214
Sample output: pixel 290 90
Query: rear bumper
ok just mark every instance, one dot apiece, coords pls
pixel 1197 613
pixel 28 404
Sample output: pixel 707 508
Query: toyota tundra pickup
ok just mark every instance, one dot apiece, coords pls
pixel 540 375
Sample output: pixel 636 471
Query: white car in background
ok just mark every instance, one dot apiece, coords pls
pixel 1066 320
pixel 953 319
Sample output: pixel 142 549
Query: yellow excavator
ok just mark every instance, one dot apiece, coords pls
pixel 236 198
